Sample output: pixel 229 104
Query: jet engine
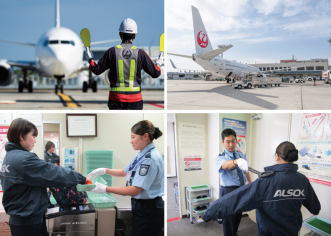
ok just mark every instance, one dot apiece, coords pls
pixel 6 74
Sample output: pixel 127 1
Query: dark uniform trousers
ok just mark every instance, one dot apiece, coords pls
pixel 230 223
pixel 147 216
pixel 116 105
pixel 29 230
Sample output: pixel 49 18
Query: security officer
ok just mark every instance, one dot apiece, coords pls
pixel 125 62
pixel 24 178
pixel 232 166
pixel 145 176
pixel 50 155
pixel 277 199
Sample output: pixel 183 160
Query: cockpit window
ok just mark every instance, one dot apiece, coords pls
pixel 59 41
pixel 53 41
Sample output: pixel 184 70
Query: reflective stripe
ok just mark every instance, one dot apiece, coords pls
pixel 133 47
pixel 121 73
pixel 124 89
pixel 119 46
pixel 132 71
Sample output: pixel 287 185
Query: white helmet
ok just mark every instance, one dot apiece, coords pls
pixel 128 26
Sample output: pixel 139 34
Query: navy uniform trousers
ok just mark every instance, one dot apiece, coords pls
pixel 147 216
pixel 230 223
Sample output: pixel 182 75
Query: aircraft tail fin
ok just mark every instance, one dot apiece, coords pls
pixel 57 14
pixel 173 65
pixel 201 39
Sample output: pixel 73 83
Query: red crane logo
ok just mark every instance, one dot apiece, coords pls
pixel 202 39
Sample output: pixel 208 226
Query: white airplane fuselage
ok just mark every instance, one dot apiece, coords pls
pixel 222 67
pixel 59 52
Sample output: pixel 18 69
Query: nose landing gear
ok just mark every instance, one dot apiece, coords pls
pixel 59 85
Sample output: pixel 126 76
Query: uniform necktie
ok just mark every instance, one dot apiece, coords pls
pixel 240 173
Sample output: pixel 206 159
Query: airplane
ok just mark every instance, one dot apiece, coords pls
pixel 58 56
pixel 208 58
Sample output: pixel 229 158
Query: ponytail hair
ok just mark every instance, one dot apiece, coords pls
pixel 145 126
pixel 287 151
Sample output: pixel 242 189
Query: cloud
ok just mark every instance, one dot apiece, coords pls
pixel 262 39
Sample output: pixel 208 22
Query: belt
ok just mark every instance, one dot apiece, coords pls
pixel 145 200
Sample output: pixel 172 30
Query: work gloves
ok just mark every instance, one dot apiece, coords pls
pixel 243 164
pixel 99 188
pixel 160 60
pixel 97 172
pixel 89 55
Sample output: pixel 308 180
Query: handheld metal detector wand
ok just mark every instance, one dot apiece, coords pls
pixel 262 174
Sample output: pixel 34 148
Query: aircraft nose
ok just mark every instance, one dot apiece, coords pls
pixel 61 59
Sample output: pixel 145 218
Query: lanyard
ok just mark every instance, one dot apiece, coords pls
pixel 137 161
pixel 232 158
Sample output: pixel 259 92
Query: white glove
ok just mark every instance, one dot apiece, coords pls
pixel 243 164
pixel 160 60
pixel 89 55
pixel 97 172
pixel 99 188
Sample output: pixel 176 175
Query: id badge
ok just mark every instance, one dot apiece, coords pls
pixel 128 176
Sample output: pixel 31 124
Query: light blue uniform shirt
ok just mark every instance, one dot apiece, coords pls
pixel 148 173
pixel 229 177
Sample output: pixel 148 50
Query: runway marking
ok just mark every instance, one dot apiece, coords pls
pixel 173 219
pixel 7 102
pixel 67 100
pixel 157 105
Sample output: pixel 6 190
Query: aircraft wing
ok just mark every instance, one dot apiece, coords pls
pixel 25 44
pixel 105 41
pixel 210 55
pixel 179 55
pixel 29 65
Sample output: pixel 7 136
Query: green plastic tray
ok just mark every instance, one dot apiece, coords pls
pixel 197 187
pixel 101 200
pixel 99 179
pixel 199 212
pixel 85 187
pixel 201 199
pixel 99 159
pixel 318 225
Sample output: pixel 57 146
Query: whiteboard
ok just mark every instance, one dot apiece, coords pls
pixel 81 125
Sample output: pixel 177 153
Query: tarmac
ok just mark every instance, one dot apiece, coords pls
pixel 218 95
pixel 70 100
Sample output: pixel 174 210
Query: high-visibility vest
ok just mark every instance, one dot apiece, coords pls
pixel 126 63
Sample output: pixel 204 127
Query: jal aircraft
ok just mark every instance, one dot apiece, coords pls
pixel 59 54
pixel 208 58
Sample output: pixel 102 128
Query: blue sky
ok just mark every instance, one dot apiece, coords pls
pixel 259 30
pixel 26 21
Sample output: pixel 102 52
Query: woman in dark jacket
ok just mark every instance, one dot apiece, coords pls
pixel 277 199
pixel 24 178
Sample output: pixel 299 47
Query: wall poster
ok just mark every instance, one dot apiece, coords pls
pixel 315 147
pixel 239 127
pixel 191 145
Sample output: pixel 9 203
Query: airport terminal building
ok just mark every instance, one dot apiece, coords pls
pixel 313 67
